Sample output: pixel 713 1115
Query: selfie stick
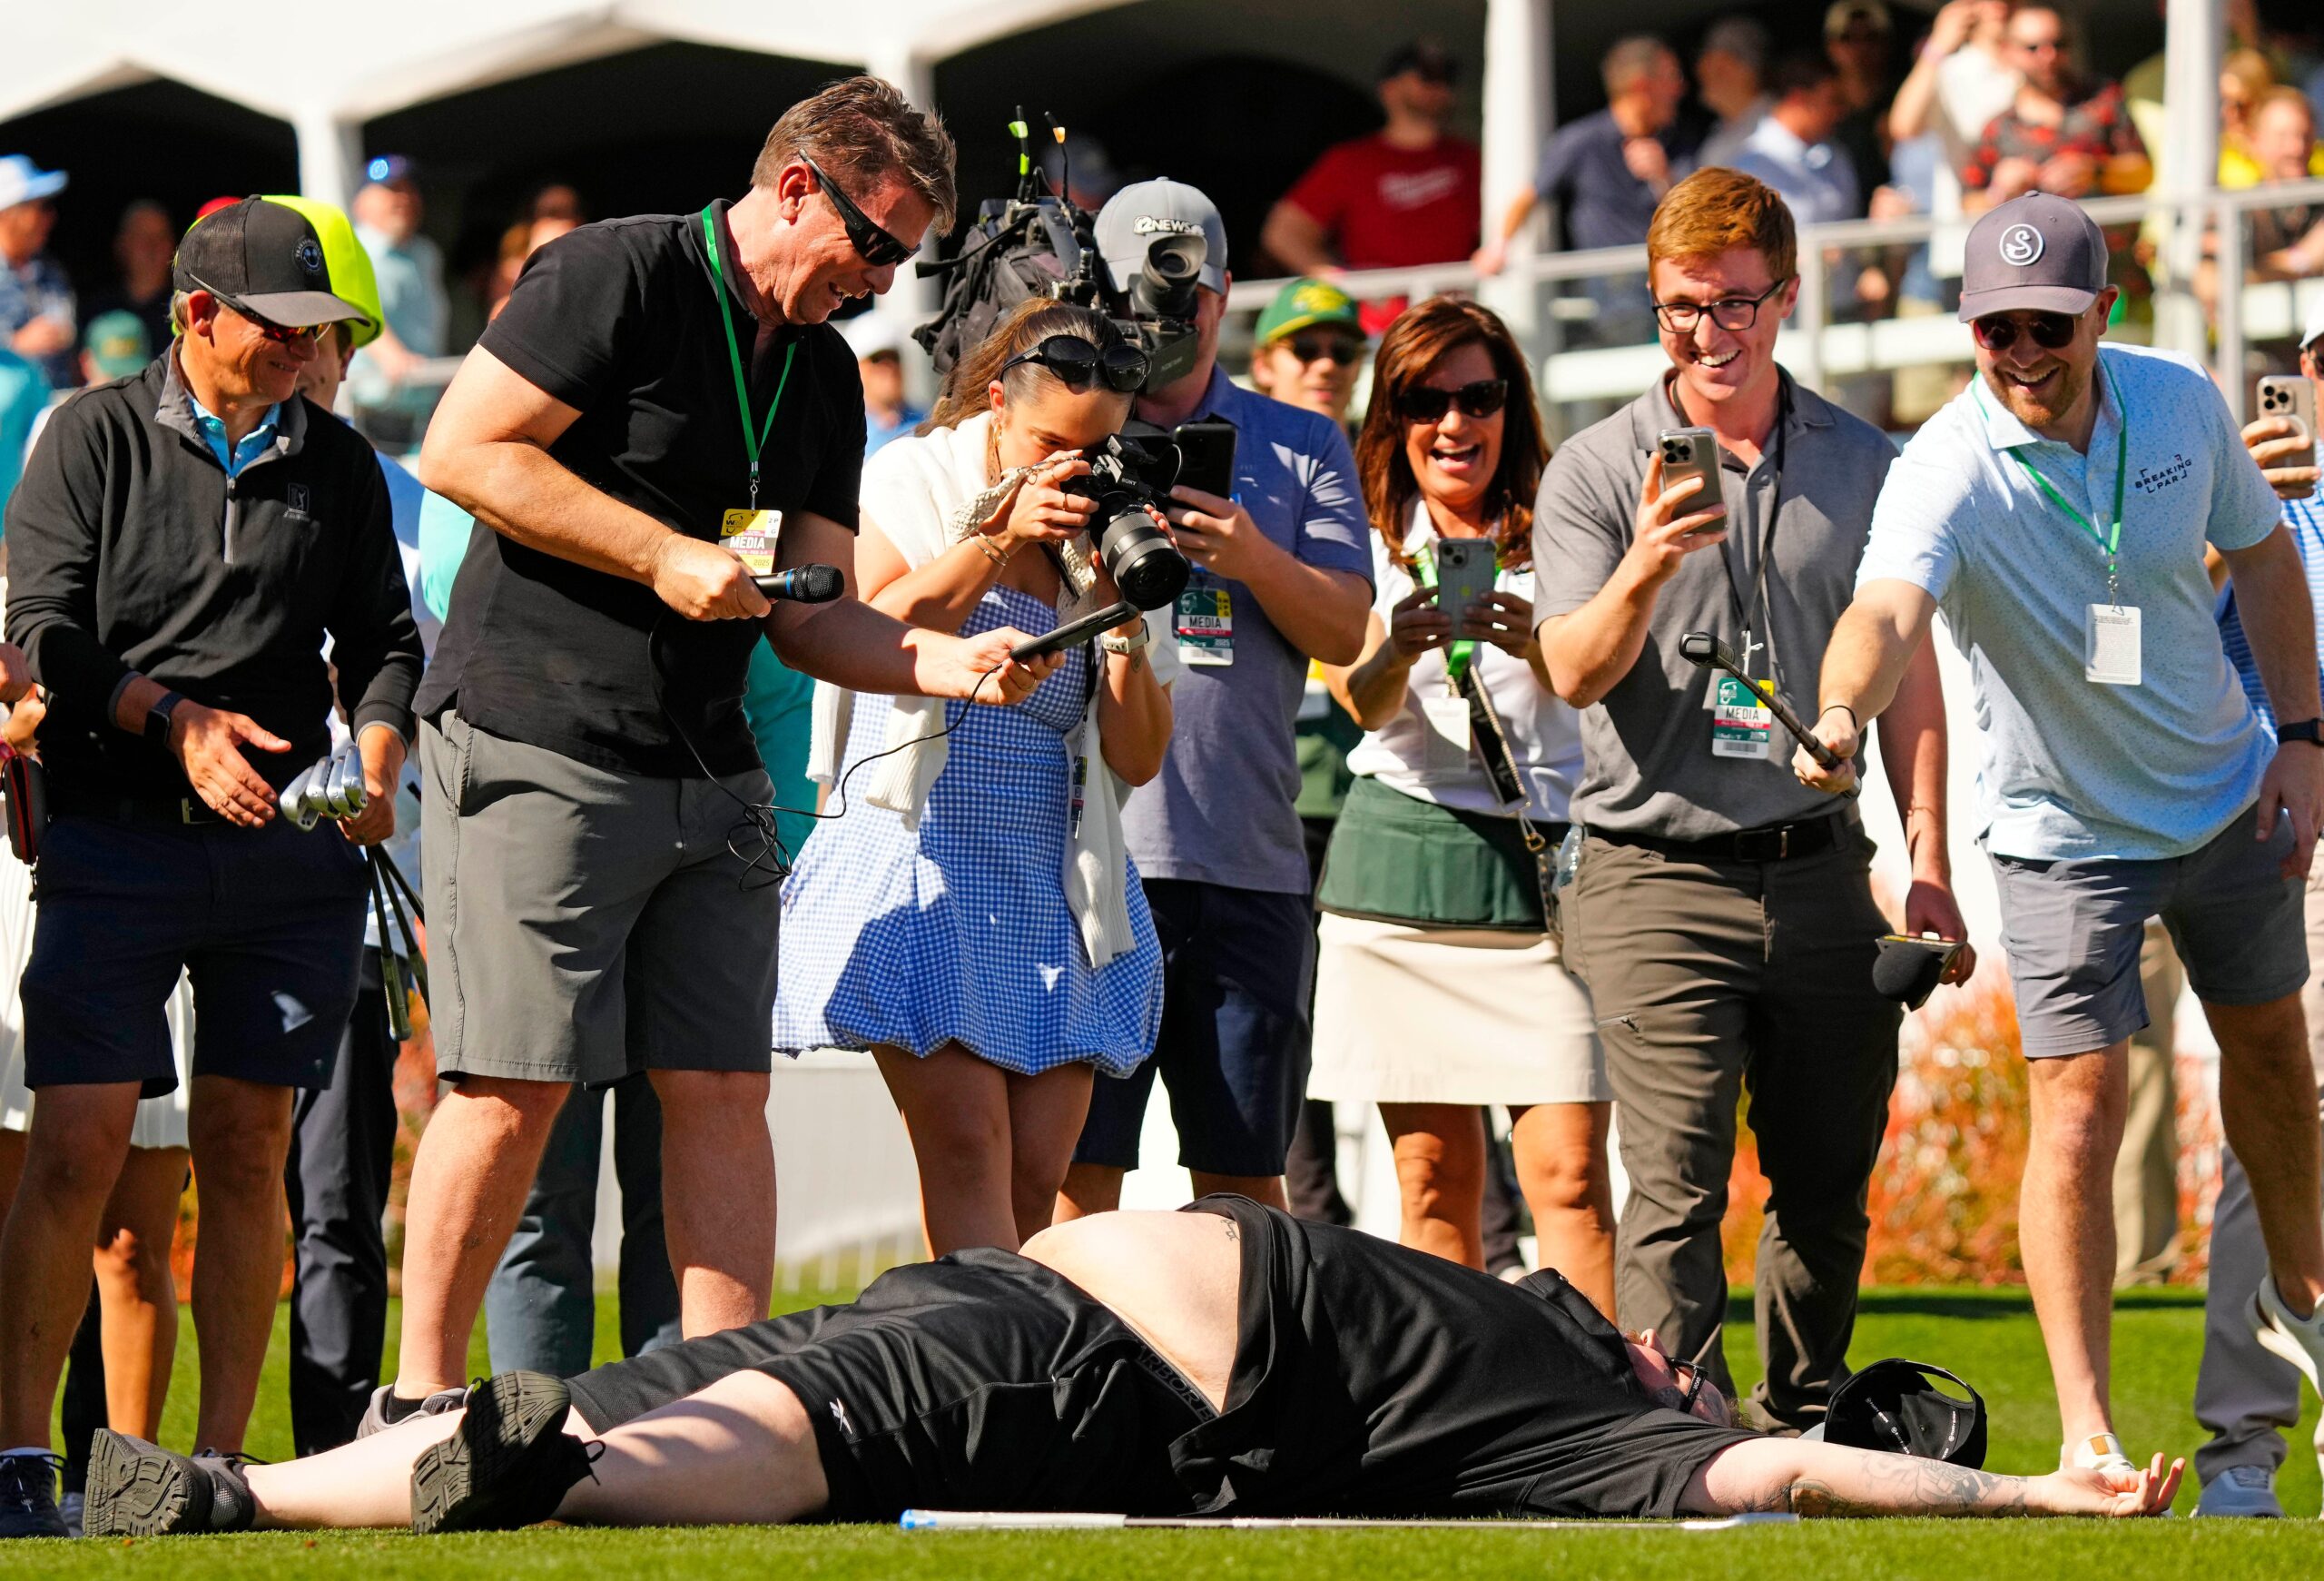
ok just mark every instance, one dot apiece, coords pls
pixel 1065 637
pixel 1708 651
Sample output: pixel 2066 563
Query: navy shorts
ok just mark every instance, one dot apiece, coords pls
pixel 1233 1053
pixel 268 922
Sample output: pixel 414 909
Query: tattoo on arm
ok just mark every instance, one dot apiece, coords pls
pixel 1900 1485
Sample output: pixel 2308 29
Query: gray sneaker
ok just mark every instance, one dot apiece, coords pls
pixel 509 1464
pixel 2247 1491
pixel 375 1415
pixel 28 1496
pixel 71 1508
pixel 138 1489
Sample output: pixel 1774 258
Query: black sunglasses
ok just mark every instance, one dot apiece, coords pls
pixel 1424 403
pixel 1344 349
pixel 281 334
pixel 2051 331
pixel 874 245
pixel 1080 363
pixel 1732 314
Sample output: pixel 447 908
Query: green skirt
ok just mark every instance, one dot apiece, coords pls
pixel 1396 858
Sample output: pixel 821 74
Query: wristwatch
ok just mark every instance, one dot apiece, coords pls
pixel 2308 730
pixel 1113 644
pixel 157 717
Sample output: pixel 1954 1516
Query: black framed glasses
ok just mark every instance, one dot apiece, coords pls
pixel 1999 332
pixel 1426 404
pixel 874 245
pixel 1080 363
pixel 1728 313
pixel 1319 347
pixel 281 334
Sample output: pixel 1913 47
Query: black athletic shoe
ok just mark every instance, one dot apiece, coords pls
pixel 28 1497
pixel 138 1489
pixel 509 1464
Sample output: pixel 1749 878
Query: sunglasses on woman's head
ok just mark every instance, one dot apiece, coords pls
pixel 1080 363
pixel 1425 403
pixel 874 245
pixel 2051 331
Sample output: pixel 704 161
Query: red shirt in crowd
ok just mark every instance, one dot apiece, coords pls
pixel 1392 208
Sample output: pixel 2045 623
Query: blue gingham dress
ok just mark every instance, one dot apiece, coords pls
pixel 958 931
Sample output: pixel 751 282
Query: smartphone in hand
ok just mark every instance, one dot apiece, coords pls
pixel 1692 453
pixel 2291 396
pixel 1465 570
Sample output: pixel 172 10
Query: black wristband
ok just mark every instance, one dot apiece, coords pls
pixel 157 717
pixel 1855 724
pixel 2308 730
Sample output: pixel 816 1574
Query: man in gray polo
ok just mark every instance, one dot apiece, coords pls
pixel 2057 511
pixel 1723 915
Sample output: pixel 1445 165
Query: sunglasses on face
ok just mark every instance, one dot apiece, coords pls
pixel 281 334
pixel 2051 331
pixel 1424 403
pixel 1344 349
pixel 875 246
pixel 1080 363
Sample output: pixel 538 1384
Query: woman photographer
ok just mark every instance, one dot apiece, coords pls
pixel 1438 985
pixel 973 918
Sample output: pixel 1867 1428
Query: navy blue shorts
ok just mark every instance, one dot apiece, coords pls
pixel 1233 1053
pixel 268 922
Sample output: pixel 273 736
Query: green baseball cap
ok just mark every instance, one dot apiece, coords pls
pixel 344 260
pixel 1302 302
pixel 117 343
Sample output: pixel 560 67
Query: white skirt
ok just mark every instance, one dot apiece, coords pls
pixel 1408 1015
pixel 160 1122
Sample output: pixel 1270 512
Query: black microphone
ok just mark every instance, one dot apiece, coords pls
pixel 802 585
pixel 1908 969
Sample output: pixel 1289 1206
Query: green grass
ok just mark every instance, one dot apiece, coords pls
pixel 1988 1336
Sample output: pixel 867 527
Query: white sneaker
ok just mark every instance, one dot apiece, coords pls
pixel 375 1415
pixel 2299 1340
pixel 2241 1490
pixel 2100 1452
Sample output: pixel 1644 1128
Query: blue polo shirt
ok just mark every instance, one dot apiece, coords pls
pixel 1221 810
pixel 2304 519
pixel 251 446
pixel 2074 769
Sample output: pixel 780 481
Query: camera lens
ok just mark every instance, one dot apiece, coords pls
pixel 1145 565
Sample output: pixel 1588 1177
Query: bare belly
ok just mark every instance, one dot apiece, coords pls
pixel 1174 1278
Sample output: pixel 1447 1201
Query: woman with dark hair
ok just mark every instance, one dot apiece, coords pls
pixel 1439 986
pixel 973 919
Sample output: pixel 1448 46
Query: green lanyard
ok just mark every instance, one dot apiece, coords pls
pixel 1459 656
pixel 752 442
pixel 2109 541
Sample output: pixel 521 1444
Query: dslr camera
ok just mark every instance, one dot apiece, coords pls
pixel 1129 473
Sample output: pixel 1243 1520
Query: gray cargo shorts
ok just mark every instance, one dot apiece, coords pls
pixel 2072 930
pixel 585 923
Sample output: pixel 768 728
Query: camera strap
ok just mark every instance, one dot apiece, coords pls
pixel 1501 767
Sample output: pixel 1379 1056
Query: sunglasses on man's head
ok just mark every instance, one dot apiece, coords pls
pixel 281 334
pixel 1080 363
pixel 874 245
pixel 1425 403
pixel 2051 331
pixel 1344 349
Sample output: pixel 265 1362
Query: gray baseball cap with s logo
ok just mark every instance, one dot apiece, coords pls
pixel 2036 253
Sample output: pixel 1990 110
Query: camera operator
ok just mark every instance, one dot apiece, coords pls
pixel 585 756
pixel 978 926
pixel 1723 915
pixel 198 528
pixel 1283 575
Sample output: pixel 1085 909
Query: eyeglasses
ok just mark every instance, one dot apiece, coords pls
pixel 281 334
pixel 874 245
pixel 2051 331
pixel 1728 313
pixel 1079 363
pixel 1344 349
pixel 1424 403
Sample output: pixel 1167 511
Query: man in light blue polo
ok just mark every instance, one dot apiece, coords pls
pixel 2057 511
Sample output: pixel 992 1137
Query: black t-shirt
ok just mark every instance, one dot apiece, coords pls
pixel 1374 1380
pixel 619 320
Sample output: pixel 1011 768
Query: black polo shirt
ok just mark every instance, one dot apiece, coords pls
pixel 619 320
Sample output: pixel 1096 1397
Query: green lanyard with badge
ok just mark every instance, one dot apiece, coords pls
pixel 749 533
pixel 2110 630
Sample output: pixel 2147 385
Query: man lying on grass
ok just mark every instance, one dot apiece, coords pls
pixel 1227 1359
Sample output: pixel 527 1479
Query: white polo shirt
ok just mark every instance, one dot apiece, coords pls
pixel 2074 769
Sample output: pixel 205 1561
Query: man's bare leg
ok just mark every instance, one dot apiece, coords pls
pixel 1088 1188
pixel 2066 1223
pixel 476 1161
pixel 718 1196
pixel 241 1133
pixel 2267 1090
pixel 367 1483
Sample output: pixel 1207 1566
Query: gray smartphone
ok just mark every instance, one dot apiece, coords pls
pixel 2291 395
pixel 1692 453
pixel 1465 570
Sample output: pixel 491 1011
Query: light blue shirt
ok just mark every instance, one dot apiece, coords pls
pixel 2074 769
pixel 2304 519
pixel 24 396
pixel 1816 180
pixel 251 446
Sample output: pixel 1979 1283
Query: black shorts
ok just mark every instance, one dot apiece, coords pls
pixel 981 1381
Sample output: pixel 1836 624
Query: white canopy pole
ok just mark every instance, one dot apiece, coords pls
pixel 2193 45
pixel 911 299
pixel 1518 111
pixel 331 152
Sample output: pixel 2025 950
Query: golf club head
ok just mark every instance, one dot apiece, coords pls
pixel 1704 649
pixel 346 797
pixel 292 798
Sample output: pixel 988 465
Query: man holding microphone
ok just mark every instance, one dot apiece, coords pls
pixel 654 386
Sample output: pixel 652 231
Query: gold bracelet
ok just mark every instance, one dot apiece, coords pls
pixel 998 557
